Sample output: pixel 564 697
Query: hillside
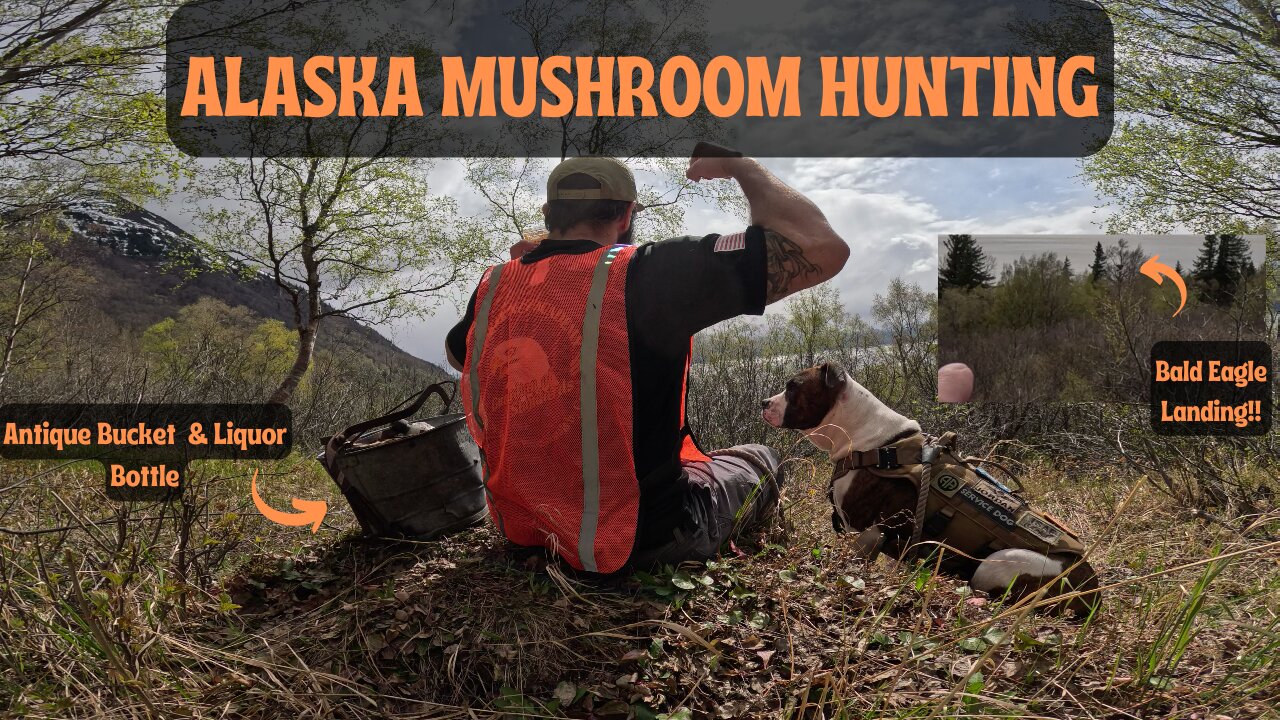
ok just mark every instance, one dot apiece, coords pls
pixel 131 253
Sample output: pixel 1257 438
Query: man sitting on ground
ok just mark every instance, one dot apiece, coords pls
pixel 575 358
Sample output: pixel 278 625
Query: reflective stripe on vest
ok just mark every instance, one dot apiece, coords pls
pixel 590 427
pixel 481 328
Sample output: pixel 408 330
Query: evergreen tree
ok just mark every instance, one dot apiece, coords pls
pixel 1230 266
pixel 1066 267
pixel 965 266
pixel 1203 268
pixel 1233 256
pixel 1098 270
pixel 1177 267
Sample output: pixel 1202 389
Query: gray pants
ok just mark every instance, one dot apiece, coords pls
pixel 737 490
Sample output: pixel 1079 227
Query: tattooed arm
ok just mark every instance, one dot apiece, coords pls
pixel 803 249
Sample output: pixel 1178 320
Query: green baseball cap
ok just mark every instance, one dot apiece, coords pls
pixel 616 180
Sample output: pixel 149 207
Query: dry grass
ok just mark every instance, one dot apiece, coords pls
pixel 791 626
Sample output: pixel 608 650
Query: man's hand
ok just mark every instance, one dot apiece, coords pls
pixel 527 243
pixel 713 162
pixel 519 249
pixel 712 168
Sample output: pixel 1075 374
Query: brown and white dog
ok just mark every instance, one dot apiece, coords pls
pixel 840 416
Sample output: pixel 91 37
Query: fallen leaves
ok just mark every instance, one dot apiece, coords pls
pixel 742 637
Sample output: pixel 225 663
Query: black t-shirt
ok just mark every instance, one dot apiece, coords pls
pixel 675 288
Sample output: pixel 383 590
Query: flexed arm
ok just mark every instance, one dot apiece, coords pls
pixel 803 248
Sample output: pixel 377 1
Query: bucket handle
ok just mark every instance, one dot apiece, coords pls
pixel 335 444
pixel 350 434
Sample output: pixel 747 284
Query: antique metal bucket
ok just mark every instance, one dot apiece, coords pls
pixel 422 486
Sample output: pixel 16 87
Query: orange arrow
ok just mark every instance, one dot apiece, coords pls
pixel 1155 270
pixel 311 511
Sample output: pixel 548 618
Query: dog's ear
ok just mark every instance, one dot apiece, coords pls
pixel 832 374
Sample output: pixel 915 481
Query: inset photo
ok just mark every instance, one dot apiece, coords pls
pixel 1072 318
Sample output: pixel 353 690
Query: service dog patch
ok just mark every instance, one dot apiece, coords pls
pixel 1037 526
pixel 947 484
pixel 1001 506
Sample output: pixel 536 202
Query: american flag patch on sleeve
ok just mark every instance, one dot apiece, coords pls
pixel 731 243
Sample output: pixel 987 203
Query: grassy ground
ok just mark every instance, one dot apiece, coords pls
pixel 98 623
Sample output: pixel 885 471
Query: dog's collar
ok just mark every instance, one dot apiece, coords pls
pixel 887 457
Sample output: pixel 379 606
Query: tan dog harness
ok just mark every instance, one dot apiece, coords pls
pixel 963 506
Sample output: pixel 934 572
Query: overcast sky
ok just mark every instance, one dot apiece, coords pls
pixel 1004 249
pixel 891 212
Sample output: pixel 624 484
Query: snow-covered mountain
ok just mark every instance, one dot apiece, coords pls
pixel 129 230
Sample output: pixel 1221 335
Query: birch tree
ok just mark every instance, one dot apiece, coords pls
pixel 354 237
pixel 34 283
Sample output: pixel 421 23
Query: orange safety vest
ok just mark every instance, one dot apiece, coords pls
pixel 546 386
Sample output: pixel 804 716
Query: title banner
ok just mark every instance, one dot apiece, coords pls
pixel 994 78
